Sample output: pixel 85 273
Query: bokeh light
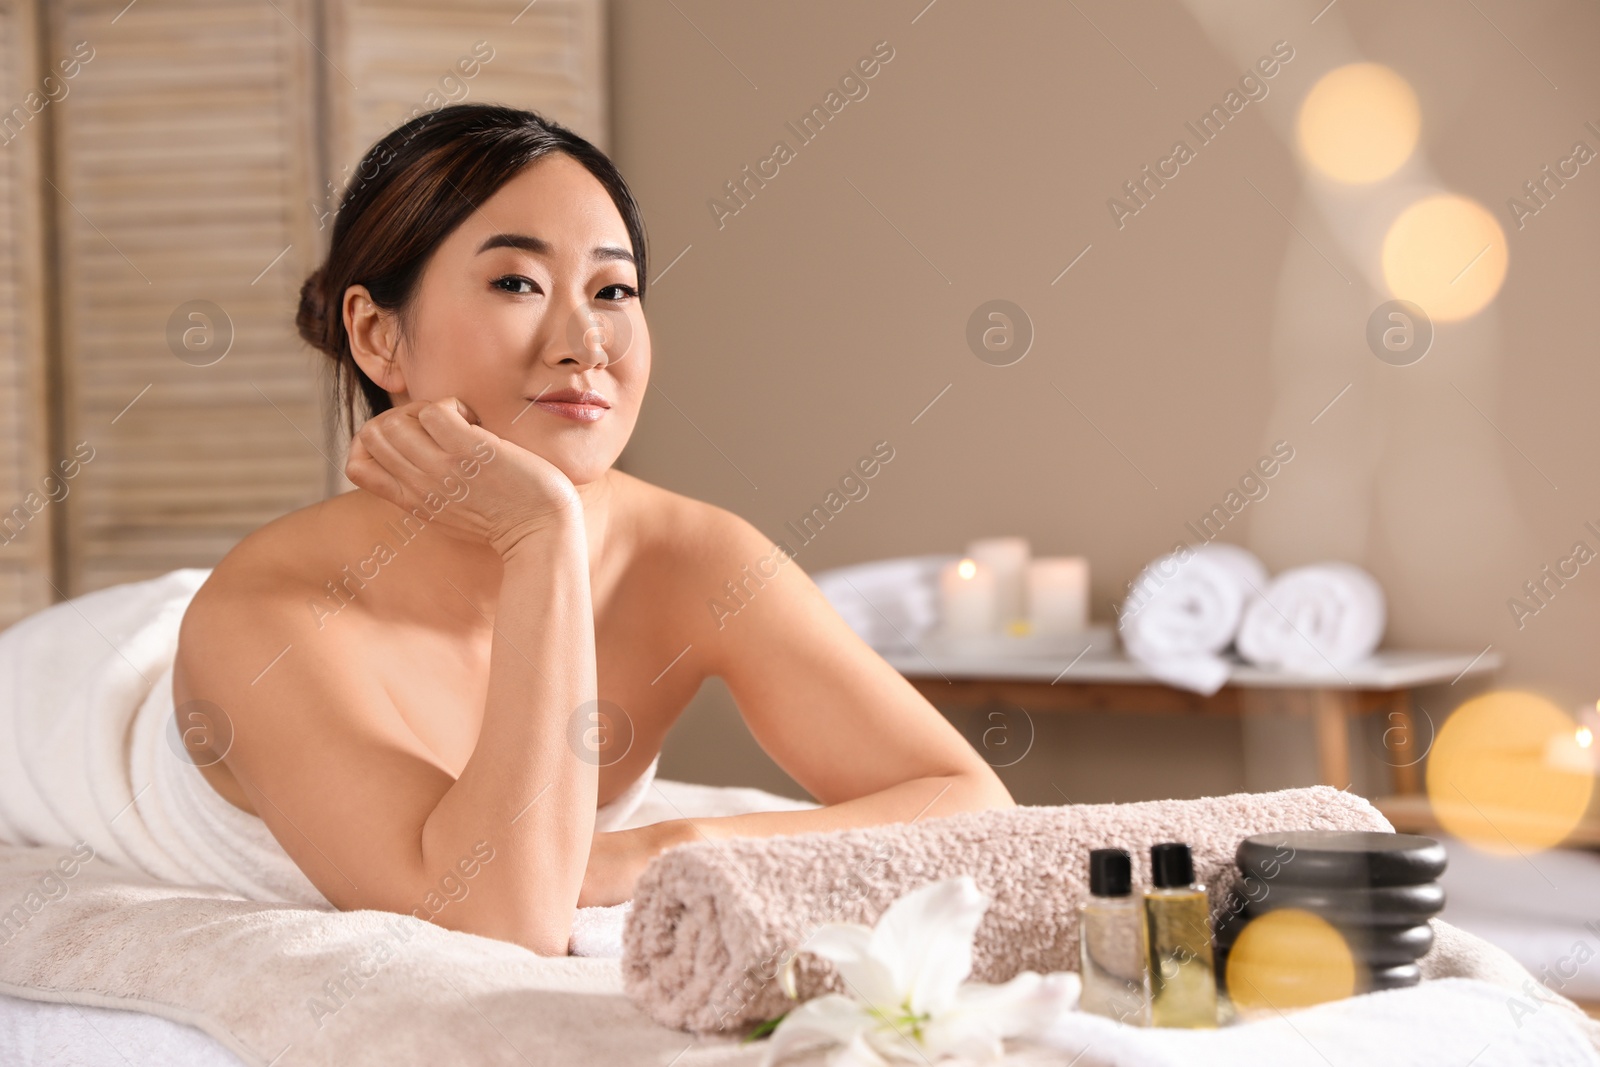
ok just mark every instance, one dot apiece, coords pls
pixel 1288 958
pixel 1446 254
pixel 1501 775
pixel 1359 123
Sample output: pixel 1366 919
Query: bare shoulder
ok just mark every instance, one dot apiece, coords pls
pixel 279 554
pixel 258 592
pixel 700 565
pixel 696 539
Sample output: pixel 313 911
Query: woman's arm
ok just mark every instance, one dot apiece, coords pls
pixel 524 785
pixel 849 728
pixel 525 788
pixel 326 757
pixel 360 804
pixel 908 801
pixel 843 723
pixel 618 857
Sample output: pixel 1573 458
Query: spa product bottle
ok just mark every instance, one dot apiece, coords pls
pixel 1183 985
pixel 1111 950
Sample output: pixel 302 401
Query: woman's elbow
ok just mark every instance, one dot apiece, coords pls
pixel 544 928
pixel 546 942
pixel 980 789
pixel 544 936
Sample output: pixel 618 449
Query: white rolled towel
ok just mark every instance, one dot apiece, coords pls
pixel 1185 608
pixel 1314 619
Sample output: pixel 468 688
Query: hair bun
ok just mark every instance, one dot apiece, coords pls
pixel 312 317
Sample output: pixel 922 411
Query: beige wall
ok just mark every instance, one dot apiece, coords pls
pixel 831 309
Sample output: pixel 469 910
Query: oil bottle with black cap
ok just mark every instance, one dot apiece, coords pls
pixel 1111 952
pixel 1177 916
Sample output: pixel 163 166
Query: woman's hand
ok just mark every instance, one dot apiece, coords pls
pixel 617 858
pixel 493 491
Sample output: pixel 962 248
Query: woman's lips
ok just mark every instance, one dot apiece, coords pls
pixel 576 412
pixel 573 402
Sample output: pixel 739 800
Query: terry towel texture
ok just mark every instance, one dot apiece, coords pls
pixel 89 750
pixel 712 922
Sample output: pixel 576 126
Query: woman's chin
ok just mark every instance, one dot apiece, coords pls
pixel 589 471
pixel 580 469
pixel 580 464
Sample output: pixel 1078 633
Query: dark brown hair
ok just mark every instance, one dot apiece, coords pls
pixel 411 190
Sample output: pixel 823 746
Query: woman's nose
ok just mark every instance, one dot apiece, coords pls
pixel 597 336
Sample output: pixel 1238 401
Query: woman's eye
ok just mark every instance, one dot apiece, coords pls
pixel 627 292
pixel 511 282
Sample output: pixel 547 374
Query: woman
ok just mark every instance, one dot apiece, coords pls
pixel 491 635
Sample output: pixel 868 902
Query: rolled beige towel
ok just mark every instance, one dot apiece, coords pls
pixel 713 921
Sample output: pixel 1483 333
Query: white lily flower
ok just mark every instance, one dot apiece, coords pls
pixel 908 995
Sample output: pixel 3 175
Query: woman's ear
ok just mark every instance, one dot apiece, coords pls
pixel 374 339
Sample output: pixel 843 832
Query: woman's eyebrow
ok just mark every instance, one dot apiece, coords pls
pixel 539 246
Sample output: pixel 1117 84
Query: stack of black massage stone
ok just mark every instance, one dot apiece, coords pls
pixel 1377 889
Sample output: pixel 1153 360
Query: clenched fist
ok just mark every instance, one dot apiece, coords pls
pixel 434 448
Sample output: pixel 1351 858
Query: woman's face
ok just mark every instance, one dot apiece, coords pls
pixel 533 295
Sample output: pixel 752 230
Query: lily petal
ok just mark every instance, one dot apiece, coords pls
pixel 830 1019
pixel 967 1040
pixel 925 937
pixel 858 1053
pixel 1026 1004
pixel 985 1015
pixel 897 1043
pixel 867 976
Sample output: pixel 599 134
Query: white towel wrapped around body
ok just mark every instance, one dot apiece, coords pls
pixel 89 753
pixel 1314 619
pixel 1185 608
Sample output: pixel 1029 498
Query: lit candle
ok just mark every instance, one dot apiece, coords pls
pixel 967 598
pixel 1058 595
pixel 1007 557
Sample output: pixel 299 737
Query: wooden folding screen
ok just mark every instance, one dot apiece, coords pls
pixel 28 515
pixel 406 57
pixel 183 160
pixel 157 221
